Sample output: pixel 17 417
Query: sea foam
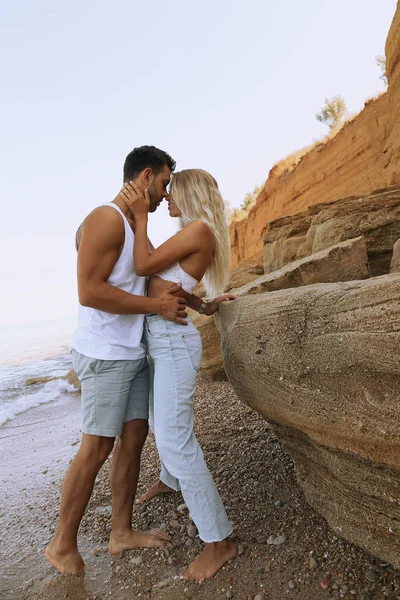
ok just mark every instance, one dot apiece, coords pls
pixel 30 398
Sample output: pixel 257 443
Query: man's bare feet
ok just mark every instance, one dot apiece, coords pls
pixel 209 562
pixel 67 562
pixel 157 489
pixel 138 539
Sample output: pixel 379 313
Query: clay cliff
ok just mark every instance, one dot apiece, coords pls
pixel 362 157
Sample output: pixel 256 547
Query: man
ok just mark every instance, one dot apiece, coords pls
pixel 111 364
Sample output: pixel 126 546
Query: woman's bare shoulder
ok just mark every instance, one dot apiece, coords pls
pixel 199 227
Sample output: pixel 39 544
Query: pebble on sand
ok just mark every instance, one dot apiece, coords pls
pixel 261 539
pixel 192 531
pixel 325 583
pixel 371 576
pixel 281 539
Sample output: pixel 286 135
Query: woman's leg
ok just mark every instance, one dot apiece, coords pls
pixel 166 484
pixel 176 359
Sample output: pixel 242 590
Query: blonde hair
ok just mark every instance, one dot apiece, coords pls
pixel 196 194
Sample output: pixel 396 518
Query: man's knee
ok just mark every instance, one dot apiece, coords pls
pixel 96 449
pixel 134 433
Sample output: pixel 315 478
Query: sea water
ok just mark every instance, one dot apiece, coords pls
pixel 29 350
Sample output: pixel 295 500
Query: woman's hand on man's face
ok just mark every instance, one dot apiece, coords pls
pixel 137 201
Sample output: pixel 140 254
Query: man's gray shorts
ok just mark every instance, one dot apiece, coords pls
pixel 113 392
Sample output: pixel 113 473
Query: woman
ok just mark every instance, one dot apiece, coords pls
pixel 199 251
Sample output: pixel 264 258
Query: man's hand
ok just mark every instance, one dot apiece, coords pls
pixel 213 305
pixel 173 308
pixel 137 201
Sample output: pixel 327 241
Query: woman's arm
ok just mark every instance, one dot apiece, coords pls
pixel 210 307
pixel 193 238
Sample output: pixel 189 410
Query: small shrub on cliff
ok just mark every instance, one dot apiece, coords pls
pixel 333 112
pixel 250 198
pixel 381 62
pixel 229 211
pixel 237 215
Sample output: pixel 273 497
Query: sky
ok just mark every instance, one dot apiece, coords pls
pixel 224 85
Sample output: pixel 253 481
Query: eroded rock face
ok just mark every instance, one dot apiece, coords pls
pixel 212 357
pixel 375 217
pixel 322 363
pixel 343 262
pixel 395 263
pixel 71 377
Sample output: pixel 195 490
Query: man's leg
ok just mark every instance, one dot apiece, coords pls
pixel 78 484
pixel 124 479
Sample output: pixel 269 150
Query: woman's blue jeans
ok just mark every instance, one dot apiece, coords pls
pixel 174 357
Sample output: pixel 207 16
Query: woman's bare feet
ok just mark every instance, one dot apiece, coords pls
pixel 210 561
pixel 157 489
pixel 137 539
pixel 67 561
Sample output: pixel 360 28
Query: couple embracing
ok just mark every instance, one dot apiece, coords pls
pixel 137 356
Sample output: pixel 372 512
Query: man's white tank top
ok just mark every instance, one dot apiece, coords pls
pixel 107 336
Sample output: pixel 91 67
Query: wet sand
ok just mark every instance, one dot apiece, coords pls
pixel 36 448
pixel 286 549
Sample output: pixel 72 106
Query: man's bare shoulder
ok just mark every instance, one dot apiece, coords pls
pixel 104 213
pixel 103 222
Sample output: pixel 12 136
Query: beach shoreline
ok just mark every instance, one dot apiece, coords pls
pixel 37 446
pixel 256 480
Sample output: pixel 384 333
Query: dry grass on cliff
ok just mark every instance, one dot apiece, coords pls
pixel 290 162
pixel 284 167
pixel 238 214
pixel 287 165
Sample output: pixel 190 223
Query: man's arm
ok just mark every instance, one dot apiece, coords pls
pixel 101 237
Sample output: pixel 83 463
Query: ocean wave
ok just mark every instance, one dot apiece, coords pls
pixel 48 393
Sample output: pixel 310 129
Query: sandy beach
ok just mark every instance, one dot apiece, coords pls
pixel 285 548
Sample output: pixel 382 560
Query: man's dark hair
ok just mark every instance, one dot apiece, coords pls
pixel 146 156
